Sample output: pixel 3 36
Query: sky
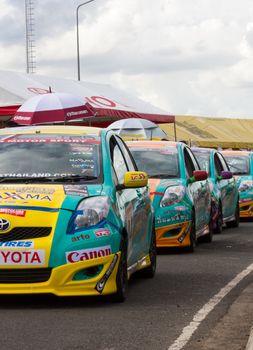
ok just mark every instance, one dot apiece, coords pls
pixel 187 57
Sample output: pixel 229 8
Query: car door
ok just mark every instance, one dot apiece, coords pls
pixel 199 191
pixel 227 187
pixel 132 203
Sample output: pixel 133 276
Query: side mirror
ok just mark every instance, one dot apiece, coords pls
pixel 198 175
pixel 225 175
pixel 134 179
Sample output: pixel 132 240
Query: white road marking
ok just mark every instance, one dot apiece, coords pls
pixel 188 331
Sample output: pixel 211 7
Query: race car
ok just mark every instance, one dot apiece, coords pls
pixel 179 192
pixel 241 165
pixel 225 197
pixel 75 214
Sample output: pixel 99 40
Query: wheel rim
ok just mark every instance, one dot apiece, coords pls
pixel 219 220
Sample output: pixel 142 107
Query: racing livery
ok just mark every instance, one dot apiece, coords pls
pixel 179 192
pixel 75 214
pixel 241 165
pixel 225 197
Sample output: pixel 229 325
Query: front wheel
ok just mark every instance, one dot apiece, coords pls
pixel 193 240
pixel 236 221
pixel 219 221
pixel 121 278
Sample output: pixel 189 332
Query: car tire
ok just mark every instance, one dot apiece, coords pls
pixel 193 239
pixel 209 237
pixel 236 221
pixel 219 221
pixel 122 277
pixel 149 272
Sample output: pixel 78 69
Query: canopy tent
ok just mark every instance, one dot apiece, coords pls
pixel 212 132
pixel 107 103
pixel 138 129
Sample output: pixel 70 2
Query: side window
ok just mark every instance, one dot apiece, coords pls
pixel 218 165
pixel 118 161
pixel 194 161
pixel 223 162
pixel 127 155
pixel 188 163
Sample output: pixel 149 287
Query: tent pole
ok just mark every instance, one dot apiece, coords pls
pixel 175 131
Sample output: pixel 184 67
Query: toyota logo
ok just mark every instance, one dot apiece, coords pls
pixel 4 225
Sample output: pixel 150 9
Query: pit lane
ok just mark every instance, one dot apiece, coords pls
pixel 155 312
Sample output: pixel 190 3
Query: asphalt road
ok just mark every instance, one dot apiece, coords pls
pixel 155 312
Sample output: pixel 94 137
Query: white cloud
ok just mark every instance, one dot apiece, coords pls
pixel 185 56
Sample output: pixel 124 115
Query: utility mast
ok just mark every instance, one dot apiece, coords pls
pixel 30 36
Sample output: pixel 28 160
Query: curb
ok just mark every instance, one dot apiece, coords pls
pixel 250 341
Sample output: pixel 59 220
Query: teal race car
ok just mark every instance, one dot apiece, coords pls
pixel 75 213
pixel 225 197
pixel 241 165
pixel 179 192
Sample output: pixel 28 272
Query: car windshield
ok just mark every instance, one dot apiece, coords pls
pixel 157 163
pixel 51 157
pixel 238 165
pixel 203 159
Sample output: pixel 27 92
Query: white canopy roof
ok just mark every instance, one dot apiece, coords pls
pixel 106 101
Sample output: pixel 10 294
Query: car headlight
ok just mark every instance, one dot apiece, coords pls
pixel 172 195
pixel 91 211
pixel 245 186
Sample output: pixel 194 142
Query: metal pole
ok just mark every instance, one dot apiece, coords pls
pixel 77 37
pixel 26 36
pixel 175 131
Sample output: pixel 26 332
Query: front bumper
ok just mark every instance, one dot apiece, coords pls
pixel 61 281
pixel 246 209
pixel 176 235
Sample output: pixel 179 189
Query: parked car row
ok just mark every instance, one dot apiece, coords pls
pixel 81 211
pixel 193 191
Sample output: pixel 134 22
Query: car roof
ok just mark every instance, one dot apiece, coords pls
pixel 51 129
pixel 202 149
pixel 235 153
pixel 152 144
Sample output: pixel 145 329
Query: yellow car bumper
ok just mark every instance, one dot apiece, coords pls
pixel 62 283
pixel 246 209
pixel 176 235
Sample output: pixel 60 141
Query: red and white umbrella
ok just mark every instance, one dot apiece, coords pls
pixel 52 108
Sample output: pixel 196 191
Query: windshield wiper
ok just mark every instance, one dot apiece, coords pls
pixel 25 179
pixel 161 176
pixel 74 178
pixel 240 173
pixel 28 179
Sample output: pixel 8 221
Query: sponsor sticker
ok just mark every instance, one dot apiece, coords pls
pixel 102 232
pixel 80 237
pixel 13 212
pixel 17 244
pixel 88 254
pixel 101 284
pixel 27 189
pixel 27 196
pixel 138 176
pixel 180 208
pixel 76 190
pixel 22 257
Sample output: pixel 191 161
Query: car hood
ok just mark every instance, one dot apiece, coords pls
pixel 158 186
pixel 45 197
pixel 245 194
pixel 240 178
